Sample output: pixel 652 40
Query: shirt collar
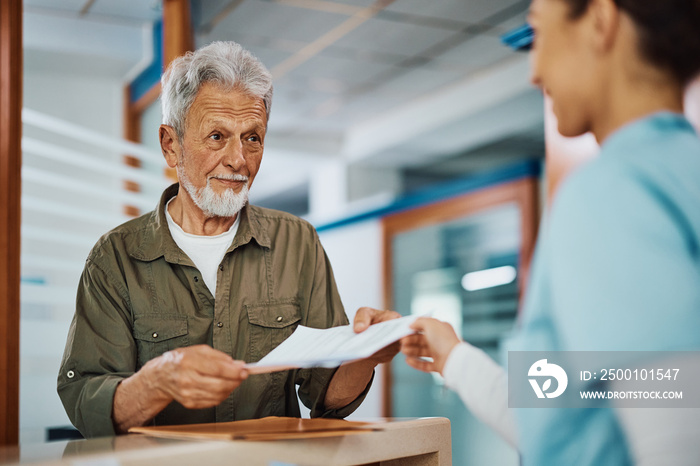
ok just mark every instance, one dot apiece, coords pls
pixel 643 130
pixel 156 240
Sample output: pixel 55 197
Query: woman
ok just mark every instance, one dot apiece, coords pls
pixel 617 266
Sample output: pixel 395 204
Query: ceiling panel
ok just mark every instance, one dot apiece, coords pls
pixel 364 3
pixel 513 22
pixel 363 108
pixel 291 104
pixel 206 11
pixel 346 72
pixel 268 19
pixel 416 82
pixel 476 52
pixel 384 58
pixel 131 10
pixel 269 56
pixel 467 10
pixel 62 5
pixel 146 10
pixel 384 36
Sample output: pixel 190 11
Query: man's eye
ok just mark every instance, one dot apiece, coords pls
pixel 253 138
pixel 216 137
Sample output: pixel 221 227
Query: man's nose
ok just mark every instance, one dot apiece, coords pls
pixel 234 156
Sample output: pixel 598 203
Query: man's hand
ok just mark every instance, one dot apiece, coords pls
pixel 352 378
pixel 436 340
pixel 367 316
pixel 196 377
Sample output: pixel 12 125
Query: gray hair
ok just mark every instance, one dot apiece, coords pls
pixel 225 64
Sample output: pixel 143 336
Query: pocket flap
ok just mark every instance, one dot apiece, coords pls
pixel 277 315
pixel 159 328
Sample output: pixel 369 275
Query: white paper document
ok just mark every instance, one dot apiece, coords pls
pixel 313 347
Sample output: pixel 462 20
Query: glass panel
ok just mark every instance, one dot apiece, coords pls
pixel 72 193
pixel 433 272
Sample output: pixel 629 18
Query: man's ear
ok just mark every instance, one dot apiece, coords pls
pixel 169 145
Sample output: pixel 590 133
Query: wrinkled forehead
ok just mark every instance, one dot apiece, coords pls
pixel 214 102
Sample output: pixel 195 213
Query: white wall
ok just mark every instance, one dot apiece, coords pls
pixel 95 102
pixel 355 252
pixel 150 124
pixel 87 100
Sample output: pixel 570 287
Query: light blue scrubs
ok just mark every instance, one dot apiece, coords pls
pixel 617 268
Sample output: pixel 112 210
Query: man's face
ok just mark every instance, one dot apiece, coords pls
pixel 221 149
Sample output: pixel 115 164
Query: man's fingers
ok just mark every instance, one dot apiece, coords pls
pixel 363 318
pixel 386 354
pixel 383 316
pixel 207 361
pixel 201 391
pixel 228 370
pixel 367 316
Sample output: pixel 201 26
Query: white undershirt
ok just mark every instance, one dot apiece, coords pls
pixel 206 252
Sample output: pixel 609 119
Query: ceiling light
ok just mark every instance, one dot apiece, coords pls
pixel 488 278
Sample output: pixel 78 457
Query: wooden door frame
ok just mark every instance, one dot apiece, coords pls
pixel 178 39
pixel 523 192
pixel 10 215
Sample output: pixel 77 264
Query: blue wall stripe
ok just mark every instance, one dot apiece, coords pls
pixel 529 168
pixel 150 76
pixel 33 280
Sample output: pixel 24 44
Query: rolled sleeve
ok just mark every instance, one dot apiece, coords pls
pixel 89 403
pixel 100 353
pixel 313 394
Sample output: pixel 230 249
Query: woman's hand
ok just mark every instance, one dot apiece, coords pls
pixel 435 340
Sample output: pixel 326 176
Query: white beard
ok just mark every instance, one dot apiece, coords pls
pixel 226 204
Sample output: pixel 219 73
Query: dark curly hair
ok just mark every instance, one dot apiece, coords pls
pixel 669 32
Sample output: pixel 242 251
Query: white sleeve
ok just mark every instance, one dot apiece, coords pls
pixel 659 436
pixel 483 387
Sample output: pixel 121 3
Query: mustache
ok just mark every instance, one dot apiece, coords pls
pixel 234 177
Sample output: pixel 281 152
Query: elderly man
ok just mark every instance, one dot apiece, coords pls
pixel 170 304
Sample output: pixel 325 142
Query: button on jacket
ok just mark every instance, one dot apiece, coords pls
pixel 140 296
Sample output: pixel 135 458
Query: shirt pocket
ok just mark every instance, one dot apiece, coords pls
pixel 270 324
pixel 157 334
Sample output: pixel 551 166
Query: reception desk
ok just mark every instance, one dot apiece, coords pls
pixel 410 442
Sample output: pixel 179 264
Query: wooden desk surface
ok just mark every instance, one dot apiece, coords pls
pixel 409 442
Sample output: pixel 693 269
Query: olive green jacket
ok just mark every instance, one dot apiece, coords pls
pixel 140 296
